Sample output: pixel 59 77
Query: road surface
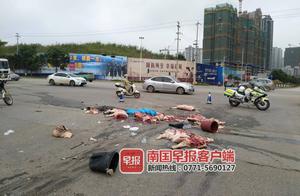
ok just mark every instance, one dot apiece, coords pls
pixel 32 162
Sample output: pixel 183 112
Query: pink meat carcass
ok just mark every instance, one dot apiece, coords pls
pixel 117 113
pixel 184 138
pixel 185 107
pixel 174 135
pixel 194 141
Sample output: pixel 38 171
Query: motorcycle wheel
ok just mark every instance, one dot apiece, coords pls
pixel 234 103
pixel 262 105
pixel 137 95
pixel 8 100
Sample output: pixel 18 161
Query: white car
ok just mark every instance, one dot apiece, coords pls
pixel 66 78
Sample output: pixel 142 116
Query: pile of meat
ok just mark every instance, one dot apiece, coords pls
pixel 154 119
pixel 116 113
pixel 197 118
pixel 184 138
pixel 185 107
pixel 62 132
pixel 97 109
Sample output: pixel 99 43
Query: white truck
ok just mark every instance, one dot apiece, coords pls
pixel 4 69
pixel 4 76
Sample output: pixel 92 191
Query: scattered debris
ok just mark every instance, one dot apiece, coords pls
pixel 8 132
pixel 133 133
pixel 93 139
pixel 133 128
pixel 91 110
pixel 207 124
pixel 105 108
pixel 116 113
pixel 97 109
pixel 185 107
pixel 153 119
pixel 126 126
pixel 147 111
pixel 20 151
pixel 144 140
pixel 76 146
pixel 185 138
pixel 38 110
pixel 104 162
pixel 99 122
pixel 181 125
pixel 62 132
pixel 117 145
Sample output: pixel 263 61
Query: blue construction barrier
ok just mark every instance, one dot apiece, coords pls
pixel 209 74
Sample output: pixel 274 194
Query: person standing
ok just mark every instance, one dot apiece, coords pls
pixel 225 83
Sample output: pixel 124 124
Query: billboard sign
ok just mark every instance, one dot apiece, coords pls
pixel 104 67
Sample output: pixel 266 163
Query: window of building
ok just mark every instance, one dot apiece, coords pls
pixel 152 65
pixel 148 65
pixel 157 65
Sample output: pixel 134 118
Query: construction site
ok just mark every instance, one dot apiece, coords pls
pixel 238 39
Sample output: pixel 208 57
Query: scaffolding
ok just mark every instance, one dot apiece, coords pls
pixel 235 39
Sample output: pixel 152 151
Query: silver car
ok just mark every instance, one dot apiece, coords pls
pixel 265 83
pixel 167 84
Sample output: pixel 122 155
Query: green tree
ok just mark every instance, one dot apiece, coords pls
pixel 2 43
pixel 56 57
pixel 28 59
pixel 181 57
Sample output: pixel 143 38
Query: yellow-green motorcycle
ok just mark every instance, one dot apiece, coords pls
pixel 257 96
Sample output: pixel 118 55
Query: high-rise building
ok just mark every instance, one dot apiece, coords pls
pixel 267 28
pixel 190 54
pixel 292 56
pixel 277 58
pixel 219 34
pixel 235 39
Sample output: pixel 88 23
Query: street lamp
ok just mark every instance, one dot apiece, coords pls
pixel 141 55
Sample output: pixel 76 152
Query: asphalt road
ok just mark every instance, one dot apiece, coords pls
pixel 32 162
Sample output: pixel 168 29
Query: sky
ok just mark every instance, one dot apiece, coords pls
pixel 124 21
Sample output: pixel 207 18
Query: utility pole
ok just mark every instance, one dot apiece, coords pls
pixel 177 53
pixel 17 36
pixel 196 51
pixel 141 56
pixel 242 67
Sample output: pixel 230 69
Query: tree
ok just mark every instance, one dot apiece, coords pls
pixel 2 43
pixel 278 74
pixel 56 57
pixel 28 58
pixel 181 57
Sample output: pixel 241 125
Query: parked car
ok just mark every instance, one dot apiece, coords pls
pixel 14 76
pixel 265 83
pixel 88 76
pixel 167 84
pixel 66 78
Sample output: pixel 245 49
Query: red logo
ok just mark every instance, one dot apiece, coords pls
pixel 131 161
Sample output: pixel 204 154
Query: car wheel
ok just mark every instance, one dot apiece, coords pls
pixel 180 91
pixel 150 89
pixel 90 80
pixel 51 82
pixel 72 83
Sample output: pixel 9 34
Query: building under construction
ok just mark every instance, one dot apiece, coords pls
pixel 235 39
